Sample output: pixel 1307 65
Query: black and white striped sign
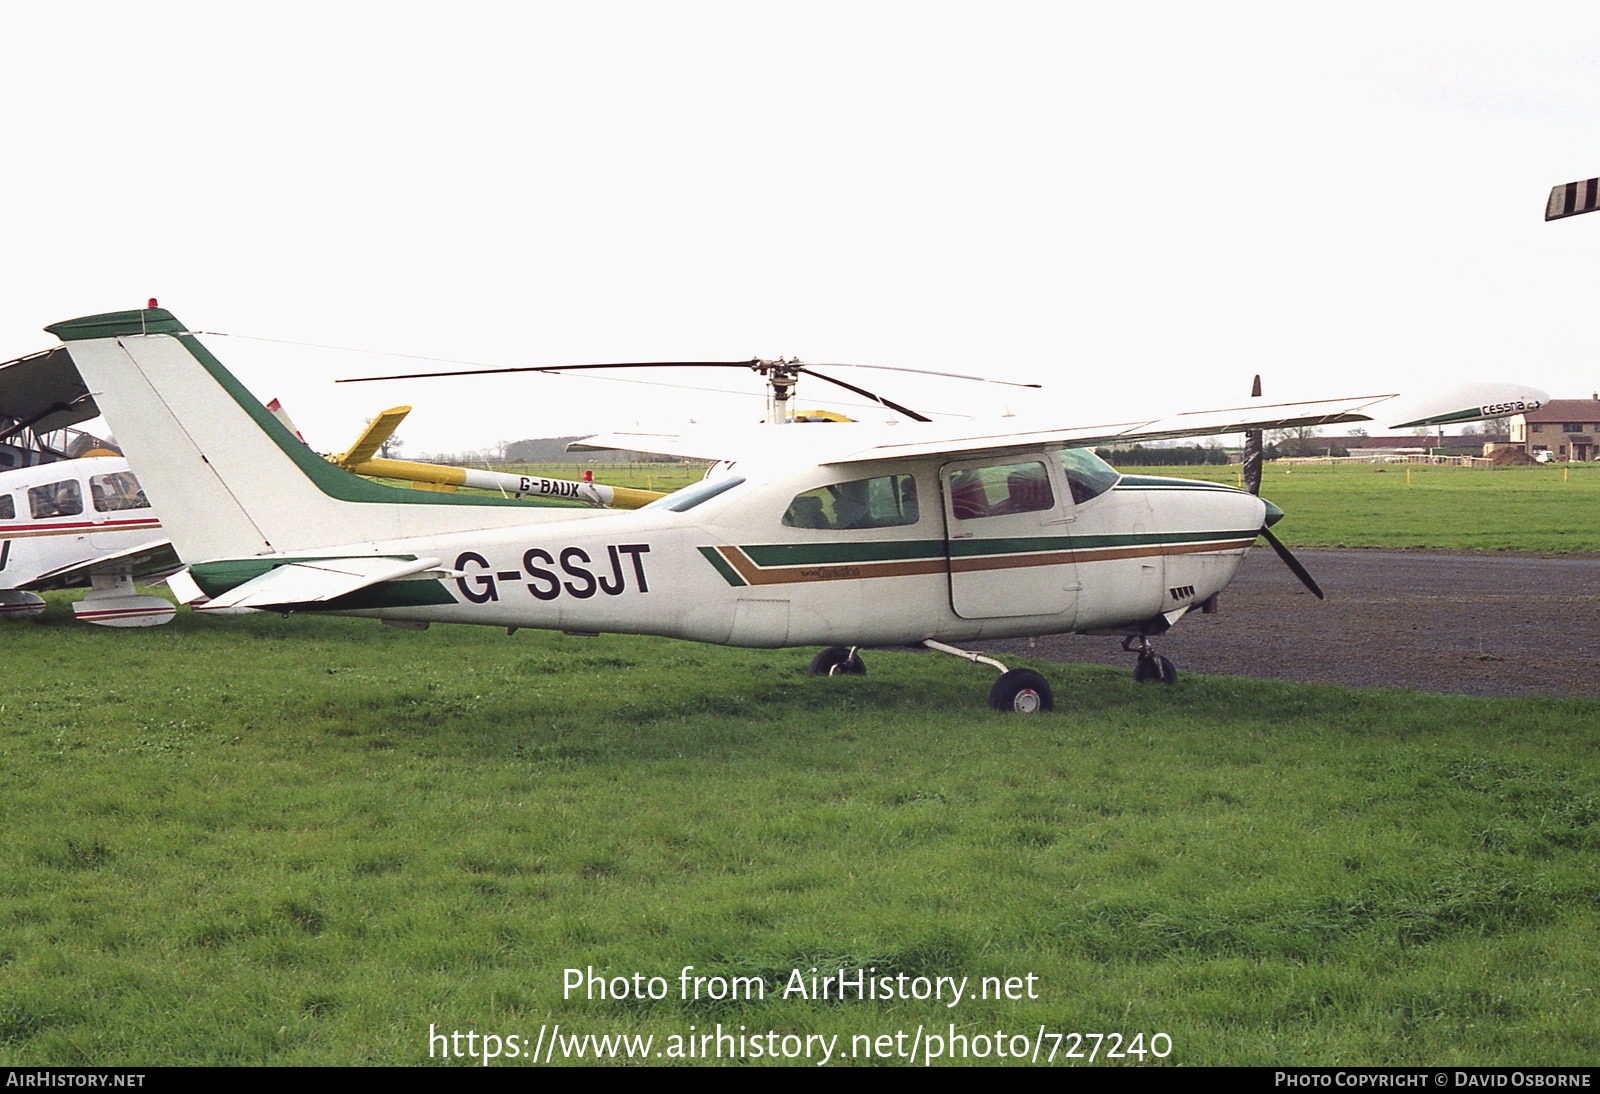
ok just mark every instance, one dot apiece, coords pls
pixel 1572 199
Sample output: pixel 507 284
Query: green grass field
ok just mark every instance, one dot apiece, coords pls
pixel 254 840
pixel 1549 508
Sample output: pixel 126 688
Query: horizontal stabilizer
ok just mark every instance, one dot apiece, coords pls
pixel 379 430
pixel 318 580
pixel 150 561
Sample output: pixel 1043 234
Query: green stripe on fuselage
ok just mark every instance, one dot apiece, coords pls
pixel 1156 482
pixel 718 563
pixel 822 554
pixel 388 594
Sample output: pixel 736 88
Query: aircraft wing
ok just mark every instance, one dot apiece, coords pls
pixel 849 443
pixel 44 391
pixel 147 561
pixel 691 445
pixel 313 581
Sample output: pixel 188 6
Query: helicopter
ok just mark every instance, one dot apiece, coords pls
pixel 846 536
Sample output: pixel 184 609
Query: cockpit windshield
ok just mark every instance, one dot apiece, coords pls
pixel 680 500
pixel 1087 474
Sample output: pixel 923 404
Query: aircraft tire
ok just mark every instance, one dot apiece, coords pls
pixel 1021 691
pixel 836 661
pixel 1155 669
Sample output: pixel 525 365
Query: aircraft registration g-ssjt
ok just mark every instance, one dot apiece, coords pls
pixel 843 536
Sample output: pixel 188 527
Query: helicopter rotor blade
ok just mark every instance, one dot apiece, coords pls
pixel 891 404
pixel 750 364
pixel 754 364
pixel 926 372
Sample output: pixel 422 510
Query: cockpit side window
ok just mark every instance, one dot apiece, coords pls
pixel 8 507
pixel 889 501
pixel 1087 474
pixel 56 499
pixel 118 490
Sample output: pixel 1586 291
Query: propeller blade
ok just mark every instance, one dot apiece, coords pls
pixel 1251 465
pixel 1293 563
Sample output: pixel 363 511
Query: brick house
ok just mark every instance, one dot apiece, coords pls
pixel 1566 428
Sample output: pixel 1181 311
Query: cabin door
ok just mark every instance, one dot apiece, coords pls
pixel 1007 534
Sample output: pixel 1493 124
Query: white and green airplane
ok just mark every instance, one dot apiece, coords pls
pixel 842 536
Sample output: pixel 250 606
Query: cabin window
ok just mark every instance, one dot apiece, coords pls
pixel 886 502
pixel 1087 474
pixel 118 490
pixel 58 499
pixel 8 508
pixel 998 491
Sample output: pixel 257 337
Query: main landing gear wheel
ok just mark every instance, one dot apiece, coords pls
pixel 1021 691
pixel 1018 691
pixel 837 661
pixel 1152 668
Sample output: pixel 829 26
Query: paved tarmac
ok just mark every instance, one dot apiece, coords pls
pixel 1466 624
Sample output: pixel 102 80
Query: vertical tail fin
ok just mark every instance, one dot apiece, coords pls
pixel 228 479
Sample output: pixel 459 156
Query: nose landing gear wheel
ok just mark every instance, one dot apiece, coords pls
pixel 837 661
pixel 1021 691
pixel 1152 668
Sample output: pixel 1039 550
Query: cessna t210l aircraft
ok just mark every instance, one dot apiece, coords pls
pixel 842 536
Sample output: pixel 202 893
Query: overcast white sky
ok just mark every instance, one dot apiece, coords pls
pixel 1144 202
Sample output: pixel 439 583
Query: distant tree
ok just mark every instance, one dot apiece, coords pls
pixel 1176 456
pixel 1299 441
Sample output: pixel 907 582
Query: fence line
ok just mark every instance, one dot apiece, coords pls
pixel 1437 461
